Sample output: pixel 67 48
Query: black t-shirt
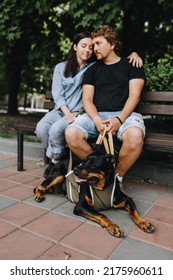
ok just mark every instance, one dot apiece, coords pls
pixel 111 83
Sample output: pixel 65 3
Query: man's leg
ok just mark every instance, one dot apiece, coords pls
pixel 77 142
pixel 132 143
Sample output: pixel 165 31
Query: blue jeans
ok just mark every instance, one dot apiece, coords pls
pixel 50 130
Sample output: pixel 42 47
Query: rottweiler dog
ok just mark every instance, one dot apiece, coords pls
pixel 97 171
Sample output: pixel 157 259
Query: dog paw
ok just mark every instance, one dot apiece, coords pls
pixel 149 228
pixel 116 231
pixel 39 198
pixel 146 226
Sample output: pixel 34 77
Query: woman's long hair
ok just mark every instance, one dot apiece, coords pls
pixel 72 65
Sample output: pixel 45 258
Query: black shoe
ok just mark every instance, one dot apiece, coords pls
pixel 47 170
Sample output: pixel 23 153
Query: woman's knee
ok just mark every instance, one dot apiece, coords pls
pixel 39 129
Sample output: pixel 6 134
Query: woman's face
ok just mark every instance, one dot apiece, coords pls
pixel 84 49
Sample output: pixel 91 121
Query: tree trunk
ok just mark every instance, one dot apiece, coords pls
pixel 17 60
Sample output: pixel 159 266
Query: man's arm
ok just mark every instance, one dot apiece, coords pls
pixel 135 89
pixel 90 108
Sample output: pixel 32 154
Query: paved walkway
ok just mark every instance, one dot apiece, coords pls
pixel 49 230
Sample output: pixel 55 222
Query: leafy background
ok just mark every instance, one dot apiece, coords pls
pixel 35 35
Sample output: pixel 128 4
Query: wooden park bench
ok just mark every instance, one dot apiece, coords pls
pixel 30 130
pixel 152 104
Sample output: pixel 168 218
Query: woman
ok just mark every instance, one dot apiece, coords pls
pixel 67 92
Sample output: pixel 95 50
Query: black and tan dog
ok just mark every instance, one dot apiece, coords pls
pixel 97 172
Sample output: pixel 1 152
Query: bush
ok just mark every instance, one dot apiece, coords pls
pixel 159 75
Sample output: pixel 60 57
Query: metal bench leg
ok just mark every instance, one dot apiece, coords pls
pixel 20 151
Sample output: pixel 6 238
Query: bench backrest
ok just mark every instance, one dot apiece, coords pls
pixel 156 103
pixel 48 102
pixel 151 103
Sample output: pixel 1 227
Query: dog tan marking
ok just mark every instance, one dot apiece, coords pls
pixel 141 222
pixel 88 200
pixel 104 222
pixel 138 220
pixel 39 196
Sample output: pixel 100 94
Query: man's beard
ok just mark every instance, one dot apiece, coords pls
pixel 99 58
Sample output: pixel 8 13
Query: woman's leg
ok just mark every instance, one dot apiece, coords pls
pixel 57 142
pixel 44 125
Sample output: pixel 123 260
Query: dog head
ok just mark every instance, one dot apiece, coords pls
pixel 96 170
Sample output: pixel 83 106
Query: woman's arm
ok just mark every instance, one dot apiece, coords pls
pixel 135 59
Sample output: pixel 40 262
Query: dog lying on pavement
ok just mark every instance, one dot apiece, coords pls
pixel 96 172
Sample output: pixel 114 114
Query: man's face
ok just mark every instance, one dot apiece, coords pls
pixel 102 47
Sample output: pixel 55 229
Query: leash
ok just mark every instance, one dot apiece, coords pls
pixel 107 140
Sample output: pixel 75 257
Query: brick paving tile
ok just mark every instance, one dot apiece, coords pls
pixel 162 237
pixel 6 184
pixel 93 240
pixel 19 192
pixel 20 213
pixel 22 177
pixel 6 228
pixel 8 171
pixel 59 252
pixel 53 226
pixel 23 245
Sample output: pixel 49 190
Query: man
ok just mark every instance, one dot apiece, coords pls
pixel 111 91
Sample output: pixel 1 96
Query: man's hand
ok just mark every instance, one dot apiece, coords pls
pixel 99 124
pixel 112 125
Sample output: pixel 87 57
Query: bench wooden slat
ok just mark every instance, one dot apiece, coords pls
pixel 155 109
pixel 49 105
pixel 48 95
pixel 24 127
pixel 48 102
pixel 164 141
pixel 166 96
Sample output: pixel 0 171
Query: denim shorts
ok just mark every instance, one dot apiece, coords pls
pixel 85 124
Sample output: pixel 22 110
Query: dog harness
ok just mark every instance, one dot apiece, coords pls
pixel 101 199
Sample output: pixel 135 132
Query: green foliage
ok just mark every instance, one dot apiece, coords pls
pixel 33 38
pixel 160 74
pixel 37 34
pixel 95 13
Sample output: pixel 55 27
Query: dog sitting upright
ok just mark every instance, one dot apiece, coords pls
pixel 97 172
